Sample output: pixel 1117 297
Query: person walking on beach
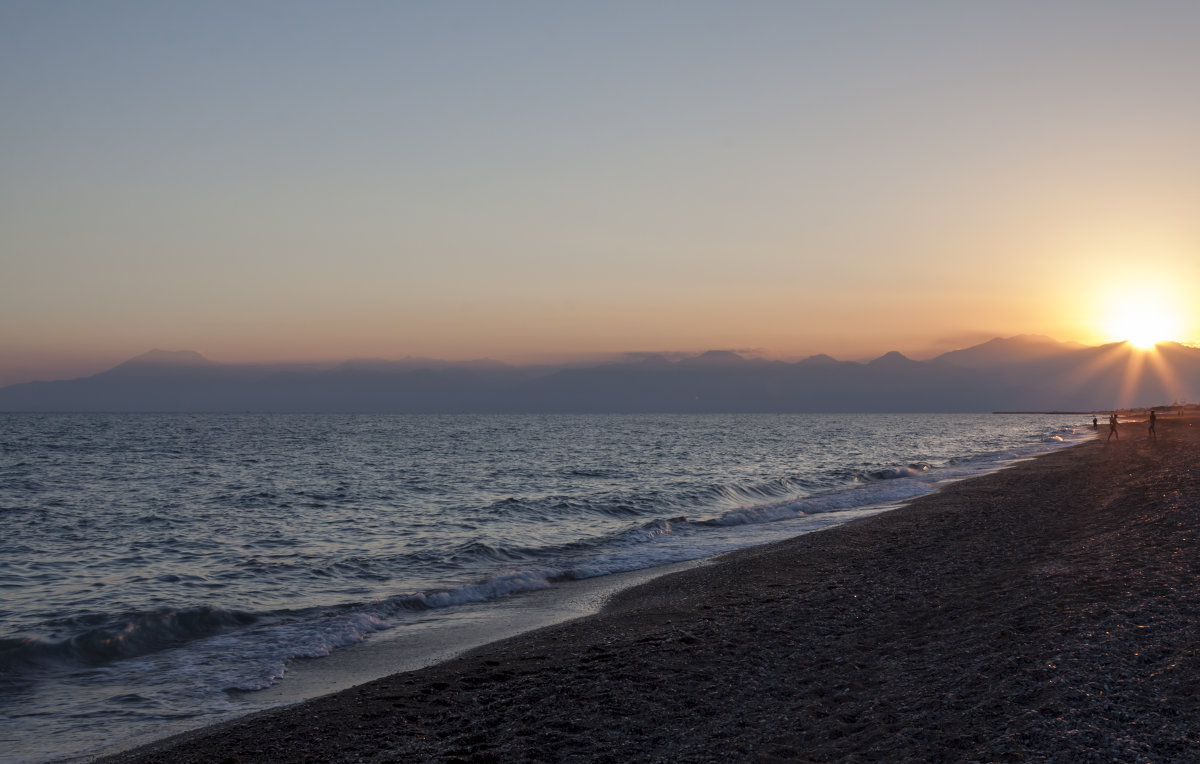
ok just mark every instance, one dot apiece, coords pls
pixel 1112 427
pixel 1094 423
pixel 1153 432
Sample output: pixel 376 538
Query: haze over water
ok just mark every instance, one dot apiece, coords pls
pixel 155 565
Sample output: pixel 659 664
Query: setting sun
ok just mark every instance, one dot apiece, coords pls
pixel 1144 325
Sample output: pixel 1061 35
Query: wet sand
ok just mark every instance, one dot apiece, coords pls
pixel 1048 610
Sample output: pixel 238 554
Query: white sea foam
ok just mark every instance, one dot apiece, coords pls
pixel 500 586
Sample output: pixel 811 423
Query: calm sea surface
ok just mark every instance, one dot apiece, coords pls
pixel 153 568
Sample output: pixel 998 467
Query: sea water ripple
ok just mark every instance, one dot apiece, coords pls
pixel 152 566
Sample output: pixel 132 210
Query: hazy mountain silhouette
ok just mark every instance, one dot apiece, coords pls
pixel 1023 373
pixel 1022 348
pixel 819 358
pixel 166 359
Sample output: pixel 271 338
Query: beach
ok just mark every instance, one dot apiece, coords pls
pixel 1049 610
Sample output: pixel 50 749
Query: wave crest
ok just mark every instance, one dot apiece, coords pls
pixel 138 635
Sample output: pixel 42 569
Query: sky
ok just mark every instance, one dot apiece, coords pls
pixel 526 181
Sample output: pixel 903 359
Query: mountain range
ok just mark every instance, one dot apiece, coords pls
pixel 1022 373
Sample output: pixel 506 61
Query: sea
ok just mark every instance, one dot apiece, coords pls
pixel 160 572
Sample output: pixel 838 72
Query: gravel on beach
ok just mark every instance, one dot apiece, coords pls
pixel 1050 611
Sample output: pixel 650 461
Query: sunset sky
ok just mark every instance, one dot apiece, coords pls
pixel 536 180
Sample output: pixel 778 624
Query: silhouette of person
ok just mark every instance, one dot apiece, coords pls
pixel 1153 432
pixel 1112 427
pixel 1095 422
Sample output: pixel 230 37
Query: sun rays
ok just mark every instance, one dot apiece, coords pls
pixel 1138 367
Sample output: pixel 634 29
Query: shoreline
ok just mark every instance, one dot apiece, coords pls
pixel 1041 609
pixel 505 619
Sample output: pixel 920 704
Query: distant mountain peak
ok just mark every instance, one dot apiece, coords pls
pixel 716 358
pixel 160 358
pixel 891 358
pixel 819 358
pixel 1002 351
pixel 1040 340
